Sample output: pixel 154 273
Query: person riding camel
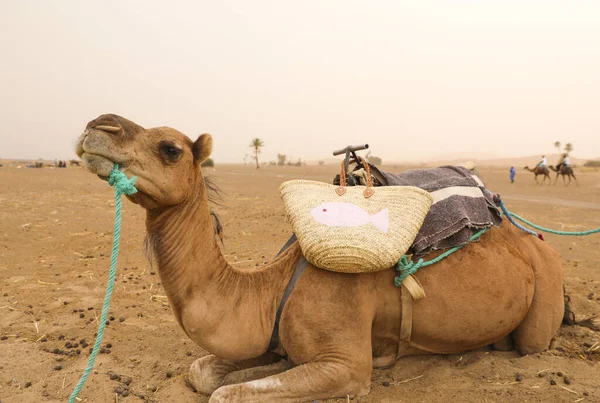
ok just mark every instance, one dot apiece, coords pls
pixel 543 162
pixel 565 161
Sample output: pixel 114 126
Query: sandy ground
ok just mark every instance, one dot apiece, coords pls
pixel 55 237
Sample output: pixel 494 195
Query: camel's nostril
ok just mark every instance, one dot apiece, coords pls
pixel 109 129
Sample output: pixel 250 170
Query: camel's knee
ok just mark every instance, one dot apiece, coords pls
pixel 206 374
pixel 354 380
pixel 223 395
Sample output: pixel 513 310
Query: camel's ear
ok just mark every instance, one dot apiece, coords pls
pixel 202 148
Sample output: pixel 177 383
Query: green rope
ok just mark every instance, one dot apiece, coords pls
pixel 406 266
pixel 553 231
pixel 122 186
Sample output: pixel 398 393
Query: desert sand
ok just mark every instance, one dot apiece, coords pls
pixel 55 240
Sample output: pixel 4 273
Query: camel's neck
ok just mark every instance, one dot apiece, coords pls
pixel 184 246
pixel 205 292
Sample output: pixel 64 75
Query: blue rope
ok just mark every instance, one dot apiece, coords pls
pixel 122 186
pixel 406 266
pixel 509 215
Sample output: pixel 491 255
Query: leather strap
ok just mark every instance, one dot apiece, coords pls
pixel 411 290
pixel 300 267
pixel 406 321
pixel 287 245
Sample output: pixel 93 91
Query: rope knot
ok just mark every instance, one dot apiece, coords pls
pixel 121 183
pixel 406 267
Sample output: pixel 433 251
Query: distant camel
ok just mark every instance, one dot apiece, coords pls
pixel 39 164
pixel 564 171
pixel 75 162
pixel 540 170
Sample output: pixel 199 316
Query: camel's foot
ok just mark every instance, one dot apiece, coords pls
pixel 302 383
pixel 209 373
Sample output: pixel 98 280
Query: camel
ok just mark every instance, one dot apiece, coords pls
pixel 564 171
pixel 505 290
pixel 540 170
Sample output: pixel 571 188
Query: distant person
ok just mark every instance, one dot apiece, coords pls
pixel 565 161
pixel 543 162
pixel 513 172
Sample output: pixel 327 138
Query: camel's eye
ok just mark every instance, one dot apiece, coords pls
pixel 170 150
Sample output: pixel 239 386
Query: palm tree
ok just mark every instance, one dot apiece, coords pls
pixel 557 145
pixel 256 144
pixel 568 147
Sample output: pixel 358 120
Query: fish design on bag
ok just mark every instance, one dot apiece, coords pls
pixel 339 214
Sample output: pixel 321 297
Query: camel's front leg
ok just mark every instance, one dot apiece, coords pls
pixel 211 372
pixel 306 382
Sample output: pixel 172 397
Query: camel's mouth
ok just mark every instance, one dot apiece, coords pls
pixel 101 165
pixel 99 154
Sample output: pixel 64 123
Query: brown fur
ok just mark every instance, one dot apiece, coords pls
pixel 335 327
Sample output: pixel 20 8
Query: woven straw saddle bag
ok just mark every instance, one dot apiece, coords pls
pixel 354 229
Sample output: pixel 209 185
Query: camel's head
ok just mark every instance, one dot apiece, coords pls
pixel 165 161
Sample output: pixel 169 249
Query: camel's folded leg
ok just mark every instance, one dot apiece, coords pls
pixel 546 312
pixel 211 372
pixel 306 382
pixel 251 374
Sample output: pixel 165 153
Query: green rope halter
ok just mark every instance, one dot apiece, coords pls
pixel 122 186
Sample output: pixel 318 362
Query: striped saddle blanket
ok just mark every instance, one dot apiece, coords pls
pixel 461 205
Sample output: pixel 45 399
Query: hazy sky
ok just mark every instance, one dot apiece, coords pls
pixel 415 79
